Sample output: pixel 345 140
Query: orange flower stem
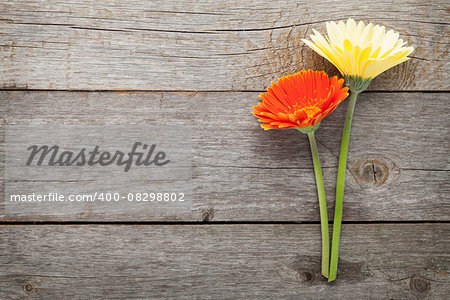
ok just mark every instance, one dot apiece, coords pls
pixel 322 205
pixel 340 188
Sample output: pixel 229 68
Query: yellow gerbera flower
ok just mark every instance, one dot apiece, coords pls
pixel 358 50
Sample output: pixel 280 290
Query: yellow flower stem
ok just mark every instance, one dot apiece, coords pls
pixel 322 205
pixel 340 188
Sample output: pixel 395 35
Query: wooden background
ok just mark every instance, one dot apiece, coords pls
pixel 253 231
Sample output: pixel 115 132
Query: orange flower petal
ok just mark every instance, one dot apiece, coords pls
pixel 300 100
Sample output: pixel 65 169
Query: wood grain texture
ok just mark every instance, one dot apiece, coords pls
pixel 388 261
pixel 207 45
pixel 398 168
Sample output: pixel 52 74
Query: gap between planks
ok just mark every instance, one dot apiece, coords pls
pixel 208 223
pixel 200 91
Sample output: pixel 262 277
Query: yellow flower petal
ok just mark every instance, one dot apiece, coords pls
pixel 359 50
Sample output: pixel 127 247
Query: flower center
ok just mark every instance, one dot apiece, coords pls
pixel 311 110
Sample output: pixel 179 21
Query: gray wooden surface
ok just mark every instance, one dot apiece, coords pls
pixel 202 64
pixel 221 261
pixel 202 45
pixel 243 173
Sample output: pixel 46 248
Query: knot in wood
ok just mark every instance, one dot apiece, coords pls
pixel 207 214
pixel 370 172
pixel 306 276
pixel 29 287
pixel 419 284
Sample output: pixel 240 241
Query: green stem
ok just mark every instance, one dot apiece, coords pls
pixel 340 188
pixel 322 205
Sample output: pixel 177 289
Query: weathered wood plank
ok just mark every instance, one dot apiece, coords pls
pixel 397 126
pixel 244 173
pixel 388 261
pixel 206 45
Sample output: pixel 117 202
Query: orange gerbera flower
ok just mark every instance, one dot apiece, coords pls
pixel 299 101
